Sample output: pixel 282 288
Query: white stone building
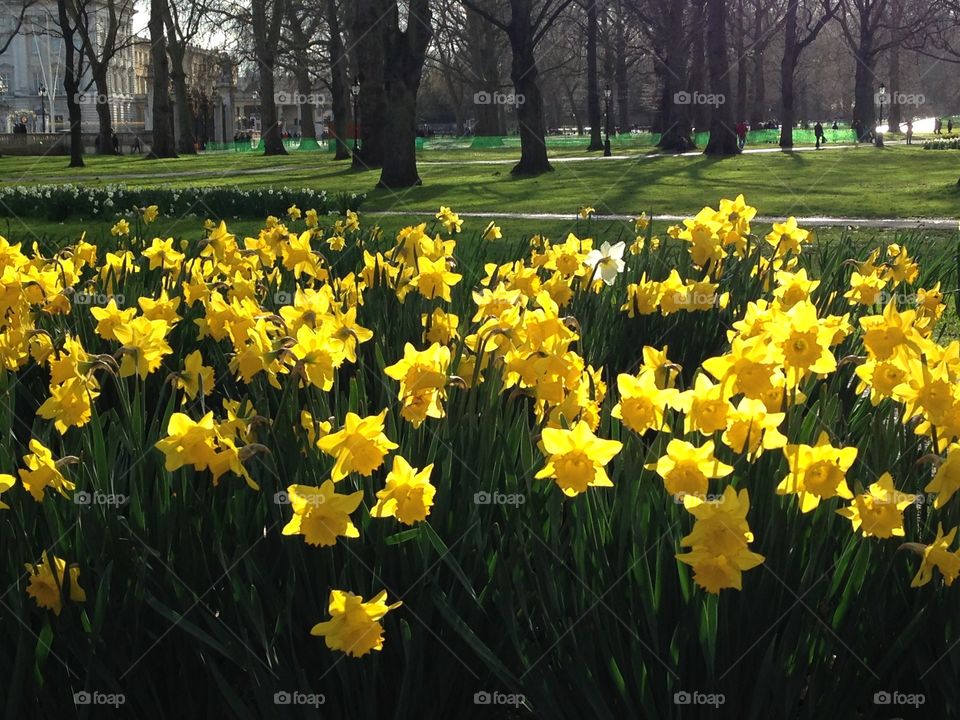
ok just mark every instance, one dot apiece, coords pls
pixel 32 70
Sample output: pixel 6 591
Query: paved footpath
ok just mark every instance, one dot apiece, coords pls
pixel 811 221
pixel 231 171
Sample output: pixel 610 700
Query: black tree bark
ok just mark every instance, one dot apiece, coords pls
pixel 339 85
pixel 674 116
pixel 793 45
pixel 405 52
pixel 162 145
pixel 594 112
pixel 267 16
pixel 176 50
pixel 368 45
pixel 71 84
pixel 723 138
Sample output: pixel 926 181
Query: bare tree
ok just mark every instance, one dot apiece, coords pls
pixel 19 13
pixel 803 21
pixel 267 24
pixel 182 22
pixel 529 21
pixel 404 56
pixel 665 25
pixel 723 138
pixel 163 145
pixel 593 84
pixel 74 68
pixel 102 36
pixel 303 24
pixel 339 86
pixel 368 51
pixel 870 28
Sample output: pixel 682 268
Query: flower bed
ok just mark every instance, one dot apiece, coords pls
pixel 59 202
pixel 718 467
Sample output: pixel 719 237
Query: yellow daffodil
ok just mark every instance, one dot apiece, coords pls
pixel 354 627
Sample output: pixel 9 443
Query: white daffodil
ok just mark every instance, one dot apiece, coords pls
pixel 607 262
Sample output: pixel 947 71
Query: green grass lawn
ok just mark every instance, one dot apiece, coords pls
pixel 897 181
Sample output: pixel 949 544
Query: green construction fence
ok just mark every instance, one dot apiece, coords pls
pixel 624 141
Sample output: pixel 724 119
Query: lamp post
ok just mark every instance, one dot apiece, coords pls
pixel 607 93
pixel 42 92
pixel 355 91
pixel 3 103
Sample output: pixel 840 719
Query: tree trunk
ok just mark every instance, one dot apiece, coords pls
pixel 674 116
pixel 758 109
pixel 699 112
pixel 593 91
pixel 896 114
pixel 104 121
pixel 533 145
pixel 620 76
pixel 740 112
pixel 266 53
pixel 723 138
pixel 863 95
pixel 481 38
pixel 339 86
pixel 788 65
pixel 405 55
pixel 71 85
pixel 162 145
pixel 269 124
pixel 368 46
pixel 308 128
pixel 572 101
pixel 186 143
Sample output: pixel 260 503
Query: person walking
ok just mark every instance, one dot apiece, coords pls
pixel 818 134
pixel 741 130
pixel 910 131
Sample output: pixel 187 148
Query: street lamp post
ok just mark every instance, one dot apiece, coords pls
pixel 42 92
pixel 607 93
pixel 3 103
pixel 355 91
